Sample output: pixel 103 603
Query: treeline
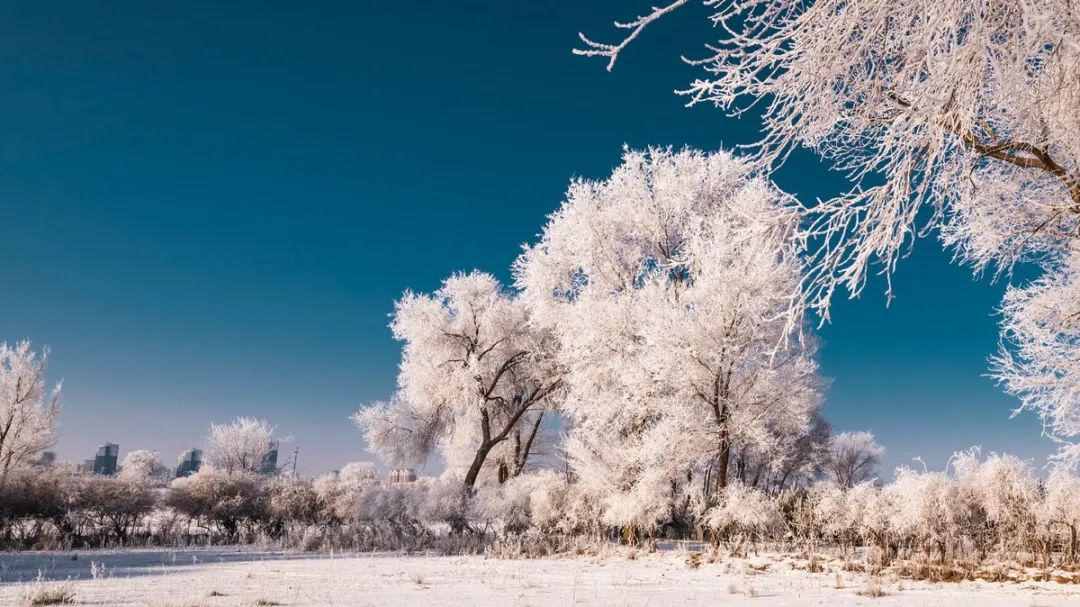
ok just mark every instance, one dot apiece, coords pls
pixel 979 511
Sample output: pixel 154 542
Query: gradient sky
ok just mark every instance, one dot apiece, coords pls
pixel 208 210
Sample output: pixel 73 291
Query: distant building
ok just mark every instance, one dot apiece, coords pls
pixel 188 463
pixel 106 460
pixel 46 460
pixel 401 475
pixel 86 467
pixel 268 465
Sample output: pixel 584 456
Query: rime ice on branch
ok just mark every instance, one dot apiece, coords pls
pixel 959 117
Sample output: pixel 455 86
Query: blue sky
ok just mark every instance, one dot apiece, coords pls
pixel 208 210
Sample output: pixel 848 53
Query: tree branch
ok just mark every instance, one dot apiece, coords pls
pixel 611 51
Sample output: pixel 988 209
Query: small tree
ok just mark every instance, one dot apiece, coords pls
pixel 475 376
pixel 239 446
pixel 142 466
pixel 853 458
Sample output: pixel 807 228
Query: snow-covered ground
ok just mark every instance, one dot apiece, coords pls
pixel 209 578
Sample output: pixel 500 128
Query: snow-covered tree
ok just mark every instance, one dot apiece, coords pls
pixel 28 410
pixel 667 287
pixel 954 117
pixel 475 379
pixel 142 466
pixel 853 457
pixel 239 446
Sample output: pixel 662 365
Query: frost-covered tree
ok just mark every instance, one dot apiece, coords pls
pixel 142 465
pixel 476 377
pixel 1000 490
pixel 853 458
pixel 1040 359
pixel 957 117
pixel 358 472
pixel 789 460
pixel 239 446
pixel 1060 509
pixel 971 107
pixel 28 410
pixel 667 287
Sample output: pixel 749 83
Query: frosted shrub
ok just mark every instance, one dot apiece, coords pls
pixel 925 508
pixel 1060 511
pixel 837 512
pixel 221 502
pixel 1003 490
pixel 114 505
pixel 744 515
pixel 872 513
pixel 292 503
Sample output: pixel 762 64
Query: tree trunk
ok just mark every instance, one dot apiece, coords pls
pixel 1072 544
pixel 522 452
pixel 478 462
pixel 722 465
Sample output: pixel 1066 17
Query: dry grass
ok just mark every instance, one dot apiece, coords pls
pixel 49 595
pixel 872 589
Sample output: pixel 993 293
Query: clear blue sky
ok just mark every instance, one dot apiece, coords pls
pixel 208 210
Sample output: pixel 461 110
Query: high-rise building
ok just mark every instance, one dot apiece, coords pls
pixel 189 462
pixel 108 456
pixel 268 465
pixel 46 459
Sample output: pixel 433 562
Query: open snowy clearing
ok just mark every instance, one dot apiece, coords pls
pixel 192 578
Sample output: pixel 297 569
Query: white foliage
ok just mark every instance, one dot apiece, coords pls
pixel 743 509
pixel 969 106
pixel 1061 504
pixel 1040 360
pixel 853 457
pixel 475 376
pixel 667 287
pixel 239 446
pixel 28 410
pixel 142 466
pixel 960 117
pixel 358 472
